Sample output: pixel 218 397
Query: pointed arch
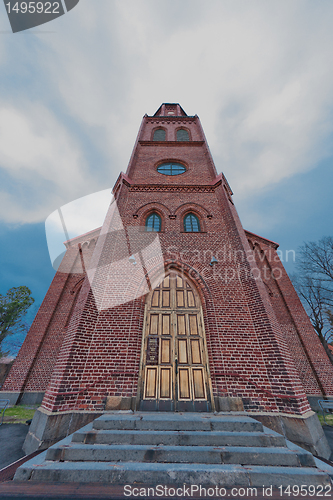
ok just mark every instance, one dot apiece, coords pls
pixel 174 360
pixel 153 207
pixel 191 223
pixel 153 222
pixel 197 210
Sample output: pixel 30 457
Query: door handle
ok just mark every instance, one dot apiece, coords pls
pixel 176 365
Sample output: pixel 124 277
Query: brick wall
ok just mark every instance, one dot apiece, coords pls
pixel 37 357
pixel 258 336
pixel 311 361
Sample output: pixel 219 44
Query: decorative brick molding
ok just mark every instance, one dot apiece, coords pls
pixel 174 189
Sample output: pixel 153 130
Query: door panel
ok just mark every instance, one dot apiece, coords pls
pixel 166 348
pixel 165 387
pixel 153 324
pixel 193 324
pixel 166 282
pixel 184 383
pixel 195 352
pixel 179 281
pixel 166 298
pixel 166 324
pixel 174 375
pixel 180 298
pixel 181 324
pixel 151 376
pixel 182 352
pixel 190 299
pixel 198 383
pixel 155 299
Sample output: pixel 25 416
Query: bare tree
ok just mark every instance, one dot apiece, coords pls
pixel 316 300
pixel 314 285
pixel 316 259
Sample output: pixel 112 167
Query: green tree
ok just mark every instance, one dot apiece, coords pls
pixel 13 307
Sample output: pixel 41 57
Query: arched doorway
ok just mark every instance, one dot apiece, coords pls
pixel 174 370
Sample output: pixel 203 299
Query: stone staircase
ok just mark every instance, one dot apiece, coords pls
pixel 175 448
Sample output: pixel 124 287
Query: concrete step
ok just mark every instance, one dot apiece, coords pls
pixel 76 452
pixel 173 449
pixel 176 422
pixel 136 473
pixel 179 438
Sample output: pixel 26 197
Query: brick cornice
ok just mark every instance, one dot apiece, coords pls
pixel 199 188
pixel 173 189
pixel 170 118
pixel 172 143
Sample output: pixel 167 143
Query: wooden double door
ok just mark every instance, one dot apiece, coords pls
pixel 174 372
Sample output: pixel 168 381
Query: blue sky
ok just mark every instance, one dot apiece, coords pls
pixel 73 92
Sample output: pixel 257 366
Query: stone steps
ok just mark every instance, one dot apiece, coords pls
pixel 179 438
pixel 175 474
pixel 181 454
pixel 176 422
pixel 175 448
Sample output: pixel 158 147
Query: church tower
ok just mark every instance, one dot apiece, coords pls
pixel 171 305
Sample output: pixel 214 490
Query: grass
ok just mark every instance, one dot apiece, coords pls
pixel 328 417
pixel 19 414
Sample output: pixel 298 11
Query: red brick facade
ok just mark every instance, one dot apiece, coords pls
pixel 261 345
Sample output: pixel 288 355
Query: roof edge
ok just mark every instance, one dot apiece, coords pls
pixel 270 242
pixel 92 233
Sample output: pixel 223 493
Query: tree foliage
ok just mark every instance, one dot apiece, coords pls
pixel 314 284
pixel 13 307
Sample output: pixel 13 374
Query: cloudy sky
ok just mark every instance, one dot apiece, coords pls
pixel 72 94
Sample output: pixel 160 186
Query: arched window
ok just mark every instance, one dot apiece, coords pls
pixel 191 224
pixel 159 135
pixel 182 135
pixel 153 222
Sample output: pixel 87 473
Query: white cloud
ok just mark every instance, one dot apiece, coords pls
pixel 258 74
pixel 41 162
pixel 74 219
